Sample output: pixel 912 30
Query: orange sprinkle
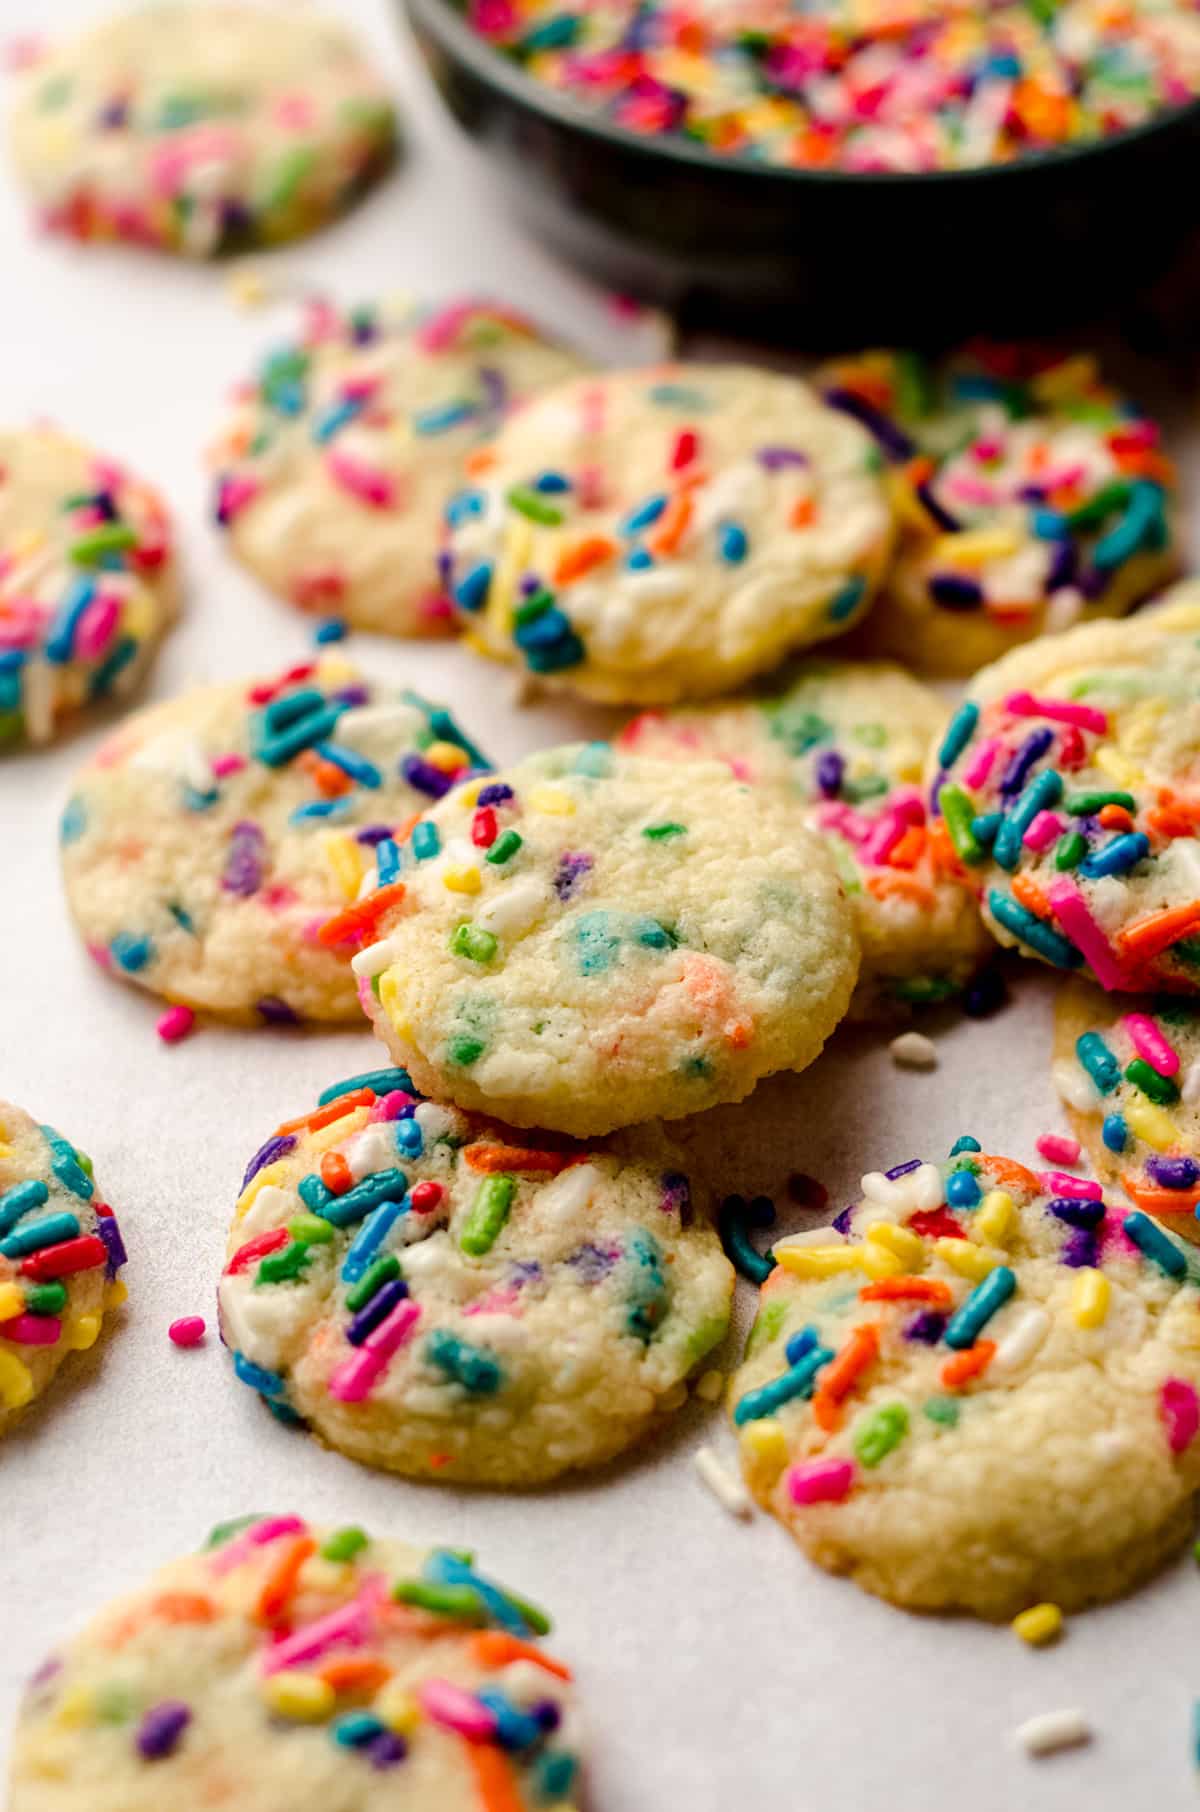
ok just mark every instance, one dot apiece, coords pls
pixel 359 920
pixel 1148 937
pixel 942 853
pixel 574 561
pixel 907 852
pixel 324 1116
pixel 739 1033
pixel 335 1172
pixel 919 471
pixel 329 780
pixel 287 1559
pixel 494 1649
pixel 1155 1200
pixel 482 460
pixel 1144 462
pixel 1115 817
pixel 494 1783
pixel 840 1375
pixel 967 1365
pixel 1031 896
pixel 183 1607
pixel 1168 821
pixel 888 885
pixel 804 513
pixel 671 526
pixel 909 1289
pixel 363 1674
pixel 1009 1173
pixel 490 1158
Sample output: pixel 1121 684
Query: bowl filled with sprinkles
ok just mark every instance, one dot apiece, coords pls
pixel 988 161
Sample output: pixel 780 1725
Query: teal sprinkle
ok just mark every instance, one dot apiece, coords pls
pixel 648 1291
pixel 68 1165
pixel 1098 1061
pixel 595 759
pixel 131 953
pixel 653 934
pixel 597 943
pixel 476 1370
pixel 426 843
pixel 74 820
pixel 847 600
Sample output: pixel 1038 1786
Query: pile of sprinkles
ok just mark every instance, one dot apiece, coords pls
pixel 87 583
pixel 859 85
pixel 343 1658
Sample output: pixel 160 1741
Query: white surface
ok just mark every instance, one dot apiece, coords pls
pixel 718 1667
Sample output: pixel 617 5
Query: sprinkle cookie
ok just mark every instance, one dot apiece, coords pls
pixel 199 128
pixel 1027 500
pixel 60 1250
pixel 338 458
pixel 434 1297
pixel 589 940
pixel 648 536
pixel 211 841
pixel 87 581
pixel 977 1389
pixel 290 1668
pixel 1128 1072
pixel 848 741
pixel 1067 783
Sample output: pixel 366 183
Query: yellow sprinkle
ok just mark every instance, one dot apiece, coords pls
pixel 1153 1124
pixel 12 1301
pixel 247 287
pixel 906 505
pixel 77 1706
pixel 138 616
pixel 462 879
pixel 270 1173
pixel 1139 729
pixel 476 643
pixel 709 1385
pixel 393 1005
pixel 1039 1624
pixel 975 549
pixel 336 670
pixel 1069 379
pixel 116 1294
pixel 878 1262
pixel 552 799
pixel 1116 766
pixel 968 1260
pixel 907 1247
pixel 764 1447
pixel 993 1218
pixel 81 1331
pixel 467 796
pixel 447 756
pixel 338 1130
pixel 332 1577
pixel 345 858
pixel 395 1706
pixel 821 1261
pixel 514 560
pixel 299 1696
pixel 1089 1298
pixel 16 1382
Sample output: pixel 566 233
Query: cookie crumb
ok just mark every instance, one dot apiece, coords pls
pixel 1040 1624
pixel 913 1051
pixel 710 1385
pixel 724 1485
pixel 1051 1731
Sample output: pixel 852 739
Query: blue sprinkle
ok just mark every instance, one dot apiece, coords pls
pixel 355 1205
pixel 39 1234
pixel 1038 796
pixel 1153 1244
pixel 355 1729
pixel 986 826
pixel 448 415
pixel 426 843
pixel 959 731
pixel 567 651
pixel 446 1568
pixel 313 1193
pixel 337 809
pixel 515 1730
pixel 543 632
pixel 410 1140
pixel 639 559
pixel 335 417
pixel 733 542
pixel 19 1201
pixel 267 1384
pixel 462 506
pixel 350 762
pixel 369 1239
pixel 798 1381
pixel 1049 525
pixel 962 1190
pixel 735 1217
pixel 1117 857
pixel 1114 1132
pixel 74 820
pixel 471 1366
pixel 551 483
pixel 131 953
pixel 801 1344
pixel 329 629
pixel 983 1302
pixel 387 860
pixel 64 1162
pixel 471 591
pixel 382 1082
pixel 1030 930
pixel 643 516
pixel 964 1143
pixel 61 639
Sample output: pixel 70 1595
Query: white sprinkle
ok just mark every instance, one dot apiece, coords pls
pixel 570 1194
pixel 1051 1731
pixel 516 908
pixel 926 1187
pixel 913 1051
pixel 1189 1088
pixel 1074 1086
pixel 374 959
pixel 725 1487
pixel 1025 1334
pixel 809 1236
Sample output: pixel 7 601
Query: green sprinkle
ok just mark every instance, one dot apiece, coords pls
pixel 871 786
pixel 657 833
pixel 766 1325
pixel 115 1704
pixel 959 814
pixel 1159 1088
pixel 464 1051
pixel 46 1299
pixel 877 1434
pixel 289 174
pixel 534 607
pixel 282 1267
pixel 374 1278
pixel 530 503
pixel 1082 805
pixel 226 1531
pixel 461 1602
pixel 1112 497
pixel 487 1214
pixel 473 942
pixel 109 538
pixel 941 1409
pixel 310 1230
pixel 344 1544
pixel 504 848
pixel 1069 851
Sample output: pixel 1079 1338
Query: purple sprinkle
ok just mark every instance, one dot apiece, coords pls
pixel 386 1749
pixel 1174 1173
pixel 777 459
pixel 1087 1214
pixel 244 865
pixel 276 1012
pixel 114 116
pixel 1079 1249
pixel 524 1271
pixel 928 1327
pixel 1092 581
pixel 371 834
pixel 445 566
pixel 496 794
pixel 953 591
pixel 277 1147
pixel 380 1305
pixel 1032 493
pixel 935 793
pixel 677 1196
pixel 529 584
pixel 1020 762
pixel 161 1729
pixel 903 1170
pixel 572 867
pixel 236 217
pixel 842 1222
pixel 547 1714
pixel 495 385
pixel 594 1262
pixel 892 439
pixel 830 768
pixel 49 1670
pixel 425 777
pixel 941 515
pixel 986 994
pixel 351 695
pixel 108 1231
pixel 1062 567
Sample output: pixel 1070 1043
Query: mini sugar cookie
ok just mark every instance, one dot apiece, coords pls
pixel 87 581
pixel 210 839
pixel 1128 1072
pixel 436 1297
pixel 200 127
pixel 291 1668
pixel 1067 781
pixel 848 741
pixel 1029 495
pixel 647 536
pixel 590 940
pixel 60 1249
pixel 977 1390
pixel 337 460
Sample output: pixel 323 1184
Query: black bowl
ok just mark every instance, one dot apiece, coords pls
pixel 1053 240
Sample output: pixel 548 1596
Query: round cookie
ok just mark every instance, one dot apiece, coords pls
pixel 589 940
pixel 647 536
pixel 291 1668
pixel 434 1296
pixel 199 128
pixel 1066 781
pixel 1029 495
pixel 60 1249
pixel 335 465
pixel 1128 1072
pixel 847 741
pixel 209 842
pixel 87 581
pixel 977 1389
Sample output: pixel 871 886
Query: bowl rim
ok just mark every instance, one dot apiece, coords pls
pixel 445 18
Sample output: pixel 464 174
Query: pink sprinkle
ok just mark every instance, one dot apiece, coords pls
pixel 1072 912
pixel 435 607
pixel 821 1481
pixel 32 1330
pixel 173 161
pixel 448 1705
pixel 845 821
pixel 227 764
pixel 1149 1043
pixel 257 1536
pixel 368 483
pixel 905 810
pixel 294 111
pixel 100 954
pixel 500 1301
pixel 981 763
pixel 391 1105
pixel 971 490
pixel 350 1627
pixel 189 1330
pixel 1077 1189
pixel 236 495
pixel 353 1379
pixel 95 629
pixel 1046 828
pixel 1058 1149
pixel 21 625
pixel 1058 710
pixel 175 1024
pixel 441 331
pixel 1180 1410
